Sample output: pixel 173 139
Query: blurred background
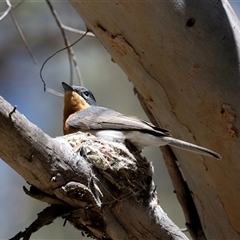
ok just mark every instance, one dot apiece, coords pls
pixel 20 84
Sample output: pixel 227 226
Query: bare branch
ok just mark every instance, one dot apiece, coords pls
pixel 68 46
pixel 14 6
pixel 44 84
pixel 46 217
pixel 23 38
pixel 73 30
pixel 4 14
pixel 110 189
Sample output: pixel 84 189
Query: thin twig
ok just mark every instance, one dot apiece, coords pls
pixel 74 30
pixel 7 11
pixel 54 92
pixel 14 6
pixel 44 84
pixel 23 38
pixel 17 4
pixel 55 15
pixel 10 10
pixel 46 217
pixel 72 58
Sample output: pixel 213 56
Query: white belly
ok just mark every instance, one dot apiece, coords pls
pixel 110 135
pixel 139 139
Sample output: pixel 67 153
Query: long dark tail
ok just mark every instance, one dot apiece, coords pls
pixel 191 147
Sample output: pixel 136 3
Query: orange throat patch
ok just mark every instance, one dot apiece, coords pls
pixel 73 103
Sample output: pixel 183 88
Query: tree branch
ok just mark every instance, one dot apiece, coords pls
pixel 183 59
pixel 107 191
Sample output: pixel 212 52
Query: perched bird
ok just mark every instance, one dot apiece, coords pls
pixel 81 113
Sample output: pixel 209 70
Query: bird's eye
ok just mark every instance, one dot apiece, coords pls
pixel 86 93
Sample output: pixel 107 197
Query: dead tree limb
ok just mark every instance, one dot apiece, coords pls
pixel 101 188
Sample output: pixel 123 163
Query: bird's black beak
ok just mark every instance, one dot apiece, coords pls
pixel 67 87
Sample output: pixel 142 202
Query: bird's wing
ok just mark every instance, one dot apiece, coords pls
pixel 99 118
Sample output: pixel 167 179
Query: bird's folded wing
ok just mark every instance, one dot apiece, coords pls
pixel 99 118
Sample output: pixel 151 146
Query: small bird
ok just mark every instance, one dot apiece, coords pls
pixel 81 113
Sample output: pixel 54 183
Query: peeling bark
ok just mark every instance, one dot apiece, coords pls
pixel 183 59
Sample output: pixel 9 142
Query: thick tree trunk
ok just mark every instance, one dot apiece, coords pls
pixel 183 59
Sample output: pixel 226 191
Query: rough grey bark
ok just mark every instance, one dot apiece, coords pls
pixel 183 59
pixel 101 188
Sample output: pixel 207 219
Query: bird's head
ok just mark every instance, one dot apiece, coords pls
pixel 77 98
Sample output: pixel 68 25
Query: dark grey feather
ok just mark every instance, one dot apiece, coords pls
pixel 100 118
